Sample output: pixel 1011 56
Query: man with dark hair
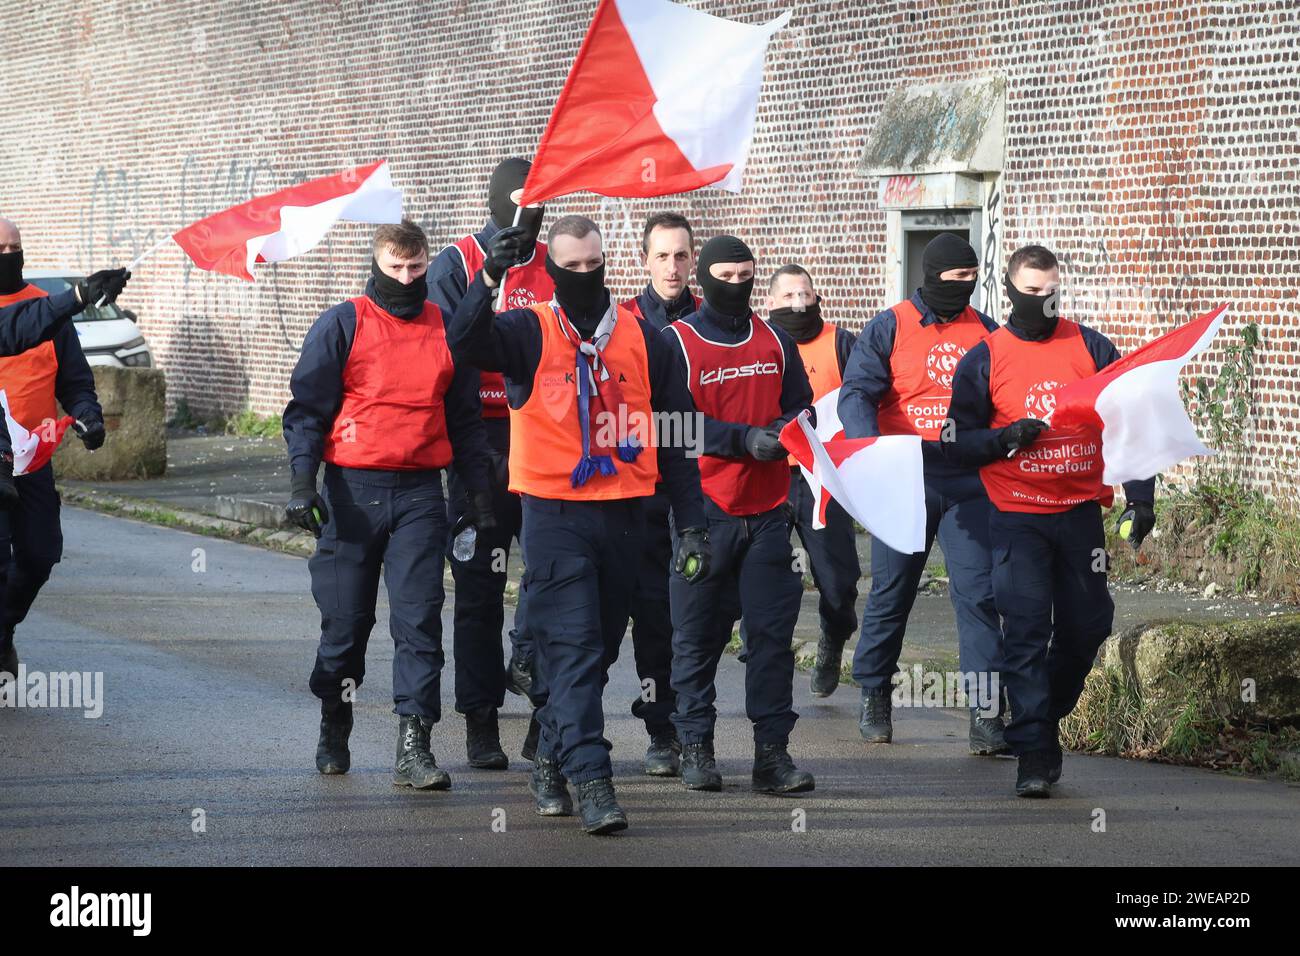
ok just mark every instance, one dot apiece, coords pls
pixel 379 398
pixel 748 382
pixel 42 367
pixel 668 255
pixel 899 382
pixel 1045 484
pixel 584 380
pixel 794 305
pixel 482 674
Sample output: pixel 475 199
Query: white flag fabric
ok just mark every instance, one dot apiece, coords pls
pixel 879 481
pixel 1135 404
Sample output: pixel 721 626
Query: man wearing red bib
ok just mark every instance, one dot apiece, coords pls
pixel 793 305
pixel 585 381
pixel 1049 546
pixel 747 380
pixel 899 382
pixel 378 398
pixel 482 675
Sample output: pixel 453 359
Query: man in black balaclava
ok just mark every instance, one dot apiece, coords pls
pixel 793 305
pixel 747 381
pixel 482 674
pixel 584 381
pixel 1047 491
pixel 899 382
pixel 378 397
pixel 36 383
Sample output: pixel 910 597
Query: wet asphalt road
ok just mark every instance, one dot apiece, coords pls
pixel 206 709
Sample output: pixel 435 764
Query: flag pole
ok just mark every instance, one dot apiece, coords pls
pixel 135 263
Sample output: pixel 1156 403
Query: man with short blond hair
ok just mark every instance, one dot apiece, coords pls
pixel 378 397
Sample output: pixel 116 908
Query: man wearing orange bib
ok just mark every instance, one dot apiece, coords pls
pixel 482 675
pixel 379 399
pixel 1049 546
pixel 36 382
pixel 793 305
pixel 584 380
pixel 899 382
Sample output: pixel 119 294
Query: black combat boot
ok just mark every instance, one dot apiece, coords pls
pixel 332 754
pixel 600 811
pixel 529 749
pixel 826 666
pixel 662 757
pixel 876 723
pixel 775 772
pixel 519 675
pixel 483 742
pixel 699 769
pixel 416 766
pixel 987 736
pixel 550 788
pixel 1034 775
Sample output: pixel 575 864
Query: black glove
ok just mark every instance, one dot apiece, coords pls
pixel 1019 434
pixel 765 444
pixel 8 492
pixel 507 248
pixel 306 508
pixel 106 285
pixel 693 550
pixel 485 516
pixel 90 432
pixel 1143 516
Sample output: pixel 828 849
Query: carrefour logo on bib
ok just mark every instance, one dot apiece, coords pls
pixel 942 361
pixel 718 375
pixel 1040 400
pixel 520 299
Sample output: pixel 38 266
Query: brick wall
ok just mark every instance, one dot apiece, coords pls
pixel 1153 145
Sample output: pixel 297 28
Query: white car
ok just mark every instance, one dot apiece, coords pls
pixel 108 334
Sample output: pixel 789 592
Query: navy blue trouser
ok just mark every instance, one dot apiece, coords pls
pixel 479 613
pixel 31 544
pixel 833 556
pixel 1049 579
pixel 580 574
pixel 396 521
pixel 751 558
pixel 957 513
pixel 652 622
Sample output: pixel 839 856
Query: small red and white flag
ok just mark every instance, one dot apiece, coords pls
pixel 33 450
pixel 661 99
pixel 287 223
pixel 879 481
pixel 1135 404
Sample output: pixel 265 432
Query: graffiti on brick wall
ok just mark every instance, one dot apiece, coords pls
pixel 901 191
pixel 991 299
pixel 112 227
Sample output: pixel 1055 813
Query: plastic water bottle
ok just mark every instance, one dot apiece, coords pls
pixel 462 548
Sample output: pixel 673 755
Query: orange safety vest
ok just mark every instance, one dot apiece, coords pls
pixel 1063 468
pixel 822 363
pixel 393 416
pixel 922 364
pixel 546 440
pixel 28 378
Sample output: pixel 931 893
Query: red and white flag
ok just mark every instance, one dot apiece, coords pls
pixel 290 222
pixel 879 481
pixel 1135 404
pixel 33 450
pixel 660 99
